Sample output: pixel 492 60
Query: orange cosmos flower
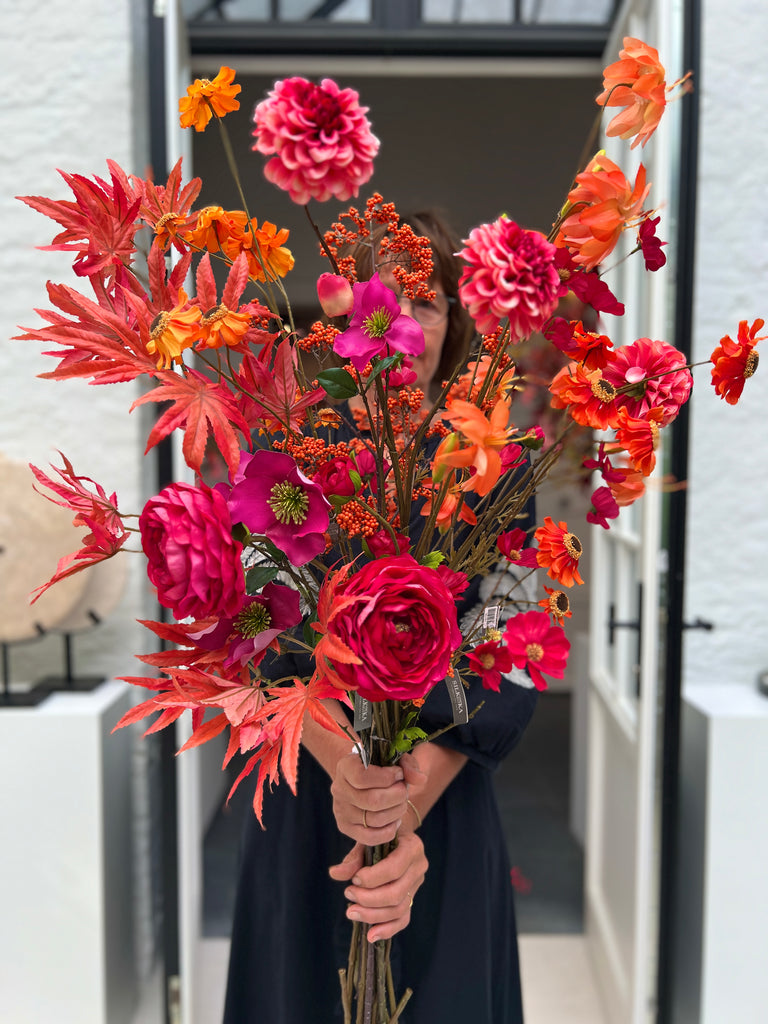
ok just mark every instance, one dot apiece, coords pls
pixel 213 225
pixel 487 436
pixel 173 331
pixel 639 436
pixel 262 245
pixel 559 552
pixel 734 362
pixel 599 207
pixel 205 98
pixel 588 397
pixel 223 326
pixel 636 82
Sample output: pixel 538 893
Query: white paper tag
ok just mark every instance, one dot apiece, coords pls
pixel 363 717
pixel 491 617
pixel 458 699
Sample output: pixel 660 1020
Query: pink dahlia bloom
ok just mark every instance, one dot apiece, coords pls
pixel 194 562
pixel 377 324
pixel 659 375
pixel 274 499
pixel 321 139
pixel 510 273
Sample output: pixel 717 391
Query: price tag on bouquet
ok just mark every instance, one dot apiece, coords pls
pixel 363 716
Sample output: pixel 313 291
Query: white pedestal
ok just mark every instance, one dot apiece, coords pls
pixel 66 908
pixel 723 874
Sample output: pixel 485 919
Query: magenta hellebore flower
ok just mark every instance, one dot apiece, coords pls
pixel 255 627
pixel 273 498
pixel 377 323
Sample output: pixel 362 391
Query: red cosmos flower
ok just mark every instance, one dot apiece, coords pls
pixel 512 545
pixel 321 139
pixel 588 396
pixel 637 83
pixel 657 375
pixel 640 437
pixel 397 620
pixel 650 245
pixel 510 273
pixel 586 285
pixel 537 646
pixel 194 561
pixel 559 552
pixel 599 207
pixel 489 660
pixel 557 605
pixel 604 506
pixel 582 346
pixel 734 362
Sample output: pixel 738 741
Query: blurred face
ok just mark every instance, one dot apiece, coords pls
pixel 432 317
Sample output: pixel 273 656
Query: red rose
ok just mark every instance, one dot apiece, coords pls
pixel 399 619
pixel 194 561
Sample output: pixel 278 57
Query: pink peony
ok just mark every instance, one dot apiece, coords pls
pixel 377 324
pixel 511 273
pixel 321 139
pixel 537 646
pixel 399 619
pixel 273 498
pixel 633 364
pixel 194 562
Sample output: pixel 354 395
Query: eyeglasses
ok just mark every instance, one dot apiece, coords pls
pixel 427 313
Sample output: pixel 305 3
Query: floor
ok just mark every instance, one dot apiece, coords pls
pixel 532 788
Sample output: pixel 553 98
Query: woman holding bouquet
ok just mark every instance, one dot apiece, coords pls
pixel 444 893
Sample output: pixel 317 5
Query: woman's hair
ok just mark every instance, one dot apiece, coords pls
pixel 447 269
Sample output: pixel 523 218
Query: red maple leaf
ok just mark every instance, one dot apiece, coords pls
pixel 268 394
pixel 201 406
pixel 166 208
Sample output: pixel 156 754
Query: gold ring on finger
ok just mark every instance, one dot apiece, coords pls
pixel 410 900
pixel 365 822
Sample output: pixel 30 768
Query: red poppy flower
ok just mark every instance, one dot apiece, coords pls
pixel 489 660
pixel 537 646
pixel 734 362
pixel 557 605
pixel 559 552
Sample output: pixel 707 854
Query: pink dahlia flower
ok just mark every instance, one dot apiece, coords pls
pixel 254 627
pixel 659 375
pixel 510 273
pixel 377 323
pixel 537 646
pixel 194 562
pixel 321 139
pixel 274 499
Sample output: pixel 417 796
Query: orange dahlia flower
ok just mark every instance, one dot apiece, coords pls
pixel 635 82
pixel 559 552
pixel 174 331
pixel 734 362
pixel 205 98
pixel 599 207
pixel 588 397
pixel 639 436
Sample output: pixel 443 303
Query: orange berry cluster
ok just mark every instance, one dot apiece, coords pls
pixel 309 452
pixel 491 341
pixel 319 338
pixel 355 521
pixel 413 263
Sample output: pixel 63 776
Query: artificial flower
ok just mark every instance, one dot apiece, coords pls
pixel 510 273
pixel 377 324
pixel 734 362
pixel 398 619
pixel 487 436
pixel 254 627
pixel 320 137
pixel 537 646
pixel 557 605
pixel 205 98
pixel 650 244
pixel 212 225
pixel 334 293
pixel 489 660
pixel 636 82
pixel 586 285
pixel 582 346
pixel 512 545
pixel 193 559
pixel 599 207
pixel 452 505
pixel 648 374
pixel 604 505
pixel 335 477
pixel 173 331
pixel 264 246
pixel 381 543
pixel 589 398
pixel 639 436
pixel 274 499
pixel 559 552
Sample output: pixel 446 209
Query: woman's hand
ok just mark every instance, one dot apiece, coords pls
pixel 382 894
pixel 369 803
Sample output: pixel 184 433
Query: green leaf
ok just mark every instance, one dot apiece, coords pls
pixel 310 636
pixel 337 382
pixel 432 559
pixel 390 362
pixel 259 577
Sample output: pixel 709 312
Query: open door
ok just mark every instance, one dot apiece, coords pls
pixel 621 866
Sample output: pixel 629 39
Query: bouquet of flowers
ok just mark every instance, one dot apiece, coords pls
pixel 357 507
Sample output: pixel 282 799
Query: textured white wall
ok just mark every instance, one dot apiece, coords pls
pixel 68 75
pixel 728 480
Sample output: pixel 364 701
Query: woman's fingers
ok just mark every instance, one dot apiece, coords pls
pixel 368 803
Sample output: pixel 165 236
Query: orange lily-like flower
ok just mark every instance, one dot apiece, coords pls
pixel 487 434
pixel 639 436
pixel 599 207
pixel 588 397
pixel 470 382
pixel 734 362
pixel 174 331
pixel 559 552
pixel 636 82
pixel 452 501
pixel 205 98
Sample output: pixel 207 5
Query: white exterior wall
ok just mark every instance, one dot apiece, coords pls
pixel 69 81
pixel 726 580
